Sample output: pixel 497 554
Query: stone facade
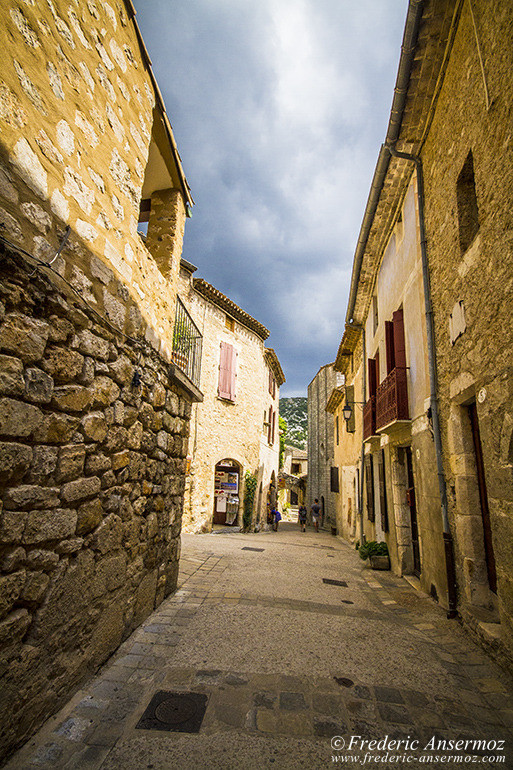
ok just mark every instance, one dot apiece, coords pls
pixel 292 482
pixel 241 427
pixel 93 422
pixel 347 443
pixel 468 168
pixel 447 155
pixel 321 444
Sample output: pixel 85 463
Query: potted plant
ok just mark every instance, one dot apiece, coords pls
pixel 377 553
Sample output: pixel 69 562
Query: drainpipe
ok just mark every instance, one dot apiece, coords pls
pixel 437 436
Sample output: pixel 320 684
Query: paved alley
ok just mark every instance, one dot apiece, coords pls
pixel 295 672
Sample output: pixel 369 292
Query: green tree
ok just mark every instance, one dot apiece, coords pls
pixel 283 437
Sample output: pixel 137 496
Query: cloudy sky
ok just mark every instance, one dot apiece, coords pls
pixel 279 108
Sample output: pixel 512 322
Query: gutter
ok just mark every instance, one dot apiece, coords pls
pixel 408 46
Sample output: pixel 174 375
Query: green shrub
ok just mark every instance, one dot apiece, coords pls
pixel 372 548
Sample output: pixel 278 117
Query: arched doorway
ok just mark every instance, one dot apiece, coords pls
pixel 227 478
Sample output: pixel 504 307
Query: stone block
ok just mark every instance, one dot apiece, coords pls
pixel 15 460
pixel 12 525
pixel 105 391
pixel 96 463
pixel 11 376
pixel 91 344
pixel 24 336
pixel 108 536
pixel 56 428
pixel 14 627
pixel 116 439
pixel 122 370
pixel 112 571
pixel 119 412
pixel 65 547
pixel 57 524
pixel 90 515
pixel 71 462
pixel 120 460
pixel 94 426
pixel 62 364
pixel 100 270
pixel 38 386
pixel 81 488
pixel 28 496
pixel 41 560
pixel 18 419
pixel 44 463
pixel 59 330
pixel 114 310
pixel 11 587
pixel 35 586
pixel 13 560
pixel 72 398
pixel 159 396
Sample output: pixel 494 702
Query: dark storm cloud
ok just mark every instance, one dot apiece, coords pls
pixel 278 108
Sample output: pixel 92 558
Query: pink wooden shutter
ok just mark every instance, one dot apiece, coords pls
pixel 233 372
pixel 224 371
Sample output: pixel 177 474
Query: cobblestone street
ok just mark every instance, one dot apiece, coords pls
pixel 287 662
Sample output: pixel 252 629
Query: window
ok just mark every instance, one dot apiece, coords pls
pixel 351 423
pixel 369 487
pixel 272 426
pixel 295 469
pixel 334 480
pixel 394 342
pixel 227 372
pixel 468 213
pixel 229 323
pixel 337 429
pixel 272 384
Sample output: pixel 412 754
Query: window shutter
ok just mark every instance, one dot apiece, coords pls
pixel 270 426
pixel 389 342
pixel 273 429
pixel 334 479
pixel 371 365
pixel 225 371
pixel 369 486
pixel 382 491
pixel 399 345
pixel 233 372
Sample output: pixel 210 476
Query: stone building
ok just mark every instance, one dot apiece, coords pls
pixel 347 444
pixel 322 480
pixel 293 478
pixel 94 418
pixel 448 154
pixel 234 431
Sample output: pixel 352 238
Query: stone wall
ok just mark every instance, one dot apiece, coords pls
pixel 472 289
pixel 321 430
pixel 91 472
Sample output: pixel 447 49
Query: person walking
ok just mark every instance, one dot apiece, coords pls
pixel 316 514
pixel 301 517
pixel 277 519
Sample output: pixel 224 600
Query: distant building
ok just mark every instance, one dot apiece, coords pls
pixel 323 479
pixel 235 429
pixel 293 478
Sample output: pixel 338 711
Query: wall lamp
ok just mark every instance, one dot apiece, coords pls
pixel 347 411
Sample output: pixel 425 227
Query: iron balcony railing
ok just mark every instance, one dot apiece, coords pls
pixel 187 344
pixel 369 418
pixel 392 398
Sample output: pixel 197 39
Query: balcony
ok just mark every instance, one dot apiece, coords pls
pixel 392 399
pixel 187 344
pixel 369 418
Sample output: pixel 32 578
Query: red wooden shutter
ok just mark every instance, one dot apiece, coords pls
pixel 389 342
pixel 273 427
pixel 376 358
pixel 270 426
pixel 399 344
pixel 225 366
pixel 371 365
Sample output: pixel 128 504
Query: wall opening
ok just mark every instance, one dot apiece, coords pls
pixel 468 212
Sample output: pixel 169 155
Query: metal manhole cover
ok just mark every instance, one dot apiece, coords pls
pixel 248 548
pixel 331 582
pixel 175 712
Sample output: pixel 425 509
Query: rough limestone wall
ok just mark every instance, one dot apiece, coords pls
pixel 76 114
pixel 480 361
pixel 91 475
pixel 321 442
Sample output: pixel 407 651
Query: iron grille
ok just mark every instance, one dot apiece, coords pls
pixel 187 344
